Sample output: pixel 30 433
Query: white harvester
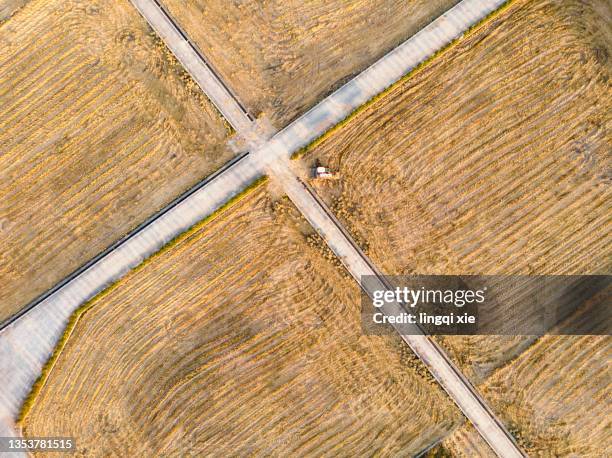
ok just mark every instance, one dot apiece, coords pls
pixel 323 173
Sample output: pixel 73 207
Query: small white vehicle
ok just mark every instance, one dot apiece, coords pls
pixel 323 173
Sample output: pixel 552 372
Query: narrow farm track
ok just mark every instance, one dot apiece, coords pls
pixel 196 64
pixel 445 372
pixel 314 123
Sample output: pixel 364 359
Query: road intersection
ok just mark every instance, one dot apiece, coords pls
pixel 26 344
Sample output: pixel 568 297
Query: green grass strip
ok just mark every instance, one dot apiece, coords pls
pixel 414 71
pixel 80 311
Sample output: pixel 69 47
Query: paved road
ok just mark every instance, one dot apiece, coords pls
pixel 26 344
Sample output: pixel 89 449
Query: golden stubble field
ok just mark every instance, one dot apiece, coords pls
pixel 495 159
pixel 100 128
pixel 555 397
pixel 10 7
pixel 244 338
pixel 283 56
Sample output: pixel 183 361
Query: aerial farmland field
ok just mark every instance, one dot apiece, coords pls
pixel 101 127
pixel 248 319
pixel 281 57
pixel 9 7
pixel 494 159
pixel 242 338
pixel 553 396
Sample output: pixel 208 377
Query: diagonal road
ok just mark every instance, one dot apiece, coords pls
pixel 26 343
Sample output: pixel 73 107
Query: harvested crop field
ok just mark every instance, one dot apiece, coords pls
pixel 494 159
pixel 555 397
pixel 100 128
pixel 281 57
pixel 9 7
pixel 242 338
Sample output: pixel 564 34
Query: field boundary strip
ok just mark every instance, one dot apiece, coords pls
pixel 41 381
pixel 413 72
